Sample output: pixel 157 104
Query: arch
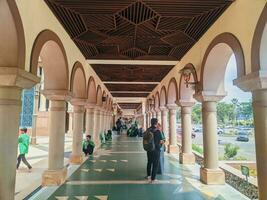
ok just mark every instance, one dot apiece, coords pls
pixel 217 55
pixel 78 81
pixel 259 44
pixel 157 101
pixel 172 94
pixel 99 96
pixel 49 48
pixel 91 91
pixel 12 45
pixel 163 97
pixel 186 93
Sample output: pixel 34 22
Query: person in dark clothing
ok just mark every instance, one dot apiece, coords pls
pixel 153 156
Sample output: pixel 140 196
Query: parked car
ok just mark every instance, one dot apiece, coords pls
pixel 220 131
pixel 242 136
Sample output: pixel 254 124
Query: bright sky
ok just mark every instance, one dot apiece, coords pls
pixel 233 91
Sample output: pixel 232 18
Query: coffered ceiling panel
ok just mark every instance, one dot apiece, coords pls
pixel 173 25
pixel 131 87
pixel 130 94
pixel 131 73
pixel 129 105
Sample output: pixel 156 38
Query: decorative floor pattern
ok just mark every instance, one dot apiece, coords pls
pixel 118 174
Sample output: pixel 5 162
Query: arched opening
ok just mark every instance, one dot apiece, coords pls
pixel 223 63
pixel 78 90
pixel 215 62
pixel 92 93
pixel 163 95
pixel 157 101
pixel 78 81
pixel 99 96
pixel 259 44
pixel 12 45
pixel 172 94
pixel 49 62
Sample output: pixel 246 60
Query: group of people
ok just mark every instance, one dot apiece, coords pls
pixel 24 141
pixel 153 142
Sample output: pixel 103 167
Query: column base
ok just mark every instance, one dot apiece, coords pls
pixel 54 177
pixel 187 158
pixel 33 141
pixel 212 176
pixel 173 149
pixel 76 159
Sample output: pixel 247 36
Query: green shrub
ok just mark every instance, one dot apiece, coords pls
pixel 230 151
pixel 197 148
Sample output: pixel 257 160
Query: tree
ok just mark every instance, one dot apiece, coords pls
pixel 196 114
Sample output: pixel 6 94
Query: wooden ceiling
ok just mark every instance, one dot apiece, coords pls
pixel 135 30
pixel 129 105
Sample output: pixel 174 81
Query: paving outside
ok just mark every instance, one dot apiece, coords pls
pixel 118 171
pixel 27 181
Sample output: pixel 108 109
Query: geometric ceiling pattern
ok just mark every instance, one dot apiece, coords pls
pixel 129 105
pixel 131 73
pixel 136 29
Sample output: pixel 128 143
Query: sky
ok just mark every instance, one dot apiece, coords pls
pixel 233 91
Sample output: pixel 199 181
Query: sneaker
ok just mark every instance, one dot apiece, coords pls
pixel 147 177
pixel 153 181
pixel 30 169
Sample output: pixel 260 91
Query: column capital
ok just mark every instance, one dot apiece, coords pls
pixel 209 96
pixel 253 81
pixel 163 108
pixel 78 101
pixel 78 109
pixel 172 106
pixel 90 105
pixel 13 76
pixel 182 103
pixel 57 95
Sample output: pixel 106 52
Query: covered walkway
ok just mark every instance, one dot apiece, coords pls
pixel 118 171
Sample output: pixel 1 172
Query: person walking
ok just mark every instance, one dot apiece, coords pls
pixel 152 141
pixel 24 141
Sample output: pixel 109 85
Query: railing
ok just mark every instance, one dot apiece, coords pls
pixel 233 177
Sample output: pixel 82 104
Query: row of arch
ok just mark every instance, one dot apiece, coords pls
pixel 212 71
pixel 49 49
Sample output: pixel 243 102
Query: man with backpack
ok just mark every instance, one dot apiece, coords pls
pixel 152 141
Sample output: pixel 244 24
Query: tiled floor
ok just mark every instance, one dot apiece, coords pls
pixel 118 174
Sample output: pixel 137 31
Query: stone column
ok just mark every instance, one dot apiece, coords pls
pixel 186 156
pixel 57 172
pixel 90 121
pixel 97 126
pixel 34 116
pixel 144 118
pixel 70 112
pixel 12 81
pixel 76 156
pixel 172 147
pixel 210 173
pixel 164 120
pixel 158 115
pixel 260 123
pixel 153 114
pixel 10 108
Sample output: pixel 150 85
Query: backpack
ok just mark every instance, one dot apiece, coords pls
pixel 148 141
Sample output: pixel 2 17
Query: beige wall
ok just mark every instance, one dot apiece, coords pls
pixel 240 19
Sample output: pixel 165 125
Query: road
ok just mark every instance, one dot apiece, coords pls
pixel 246 149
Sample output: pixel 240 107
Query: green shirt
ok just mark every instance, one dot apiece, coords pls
pixel 24 141
pixel 86 143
